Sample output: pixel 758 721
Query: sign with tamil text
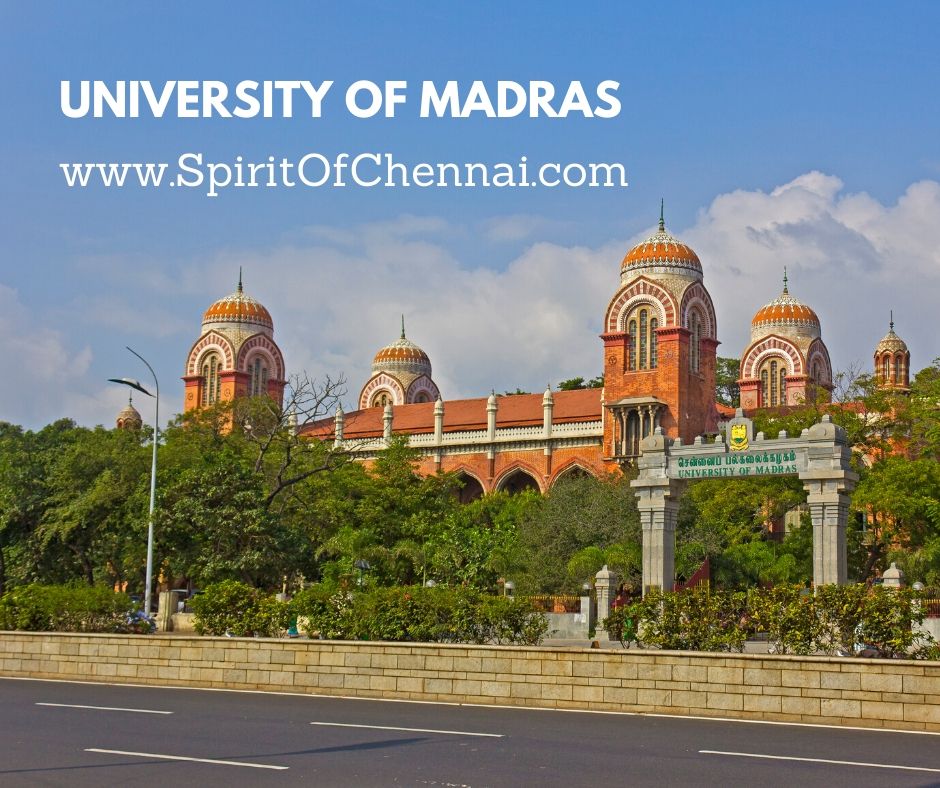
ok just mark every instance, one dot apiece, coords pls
pixel 751 463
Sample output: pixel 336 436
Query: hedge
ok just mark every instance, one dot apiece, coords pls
pixel 846 620
pixel 70 608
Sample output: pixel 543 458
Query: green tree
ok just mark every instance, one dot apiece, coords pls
pixel 727 373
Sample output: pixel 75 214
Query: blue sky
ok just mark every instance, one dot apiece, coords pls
pixel 798 134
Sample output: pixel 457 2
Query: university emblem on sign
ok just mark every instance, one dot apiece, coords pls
pixel 738 440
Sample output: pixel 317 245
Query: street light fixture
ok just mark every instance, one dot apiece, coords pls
pixel 135 384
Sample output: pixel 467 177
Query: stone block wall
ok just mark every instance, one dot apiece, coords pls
pixel 871 693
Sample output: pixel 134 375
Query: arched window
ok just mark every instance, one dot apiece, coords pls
pixel 644 337
pixel 695 328
pixel 898 370
pixel 632 332
pixel 654 343
pixel 884 369
pixel 644 344
pixel 380 400
pixel 773 382
pixel 259 378
pixel 211 366
pixel 817 372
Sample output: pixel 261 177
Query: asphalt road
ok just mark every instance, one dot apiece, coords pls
pixel 162 736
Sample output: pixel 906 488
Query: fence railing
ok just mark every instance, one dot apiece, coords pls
pixel 931 607
pixel 554 603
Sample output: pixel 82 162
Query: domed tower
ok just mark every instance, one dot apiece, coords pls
pixel 893 361
pixel 401 374
pixel 787 362
pixel 660 337
pixel 235 355
pixel 129 418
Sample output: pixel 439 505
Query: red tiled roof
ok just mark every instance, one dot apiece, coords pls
pixel 516 410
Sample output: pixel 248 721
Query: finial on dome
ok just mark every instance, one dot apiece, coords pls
pixel 891 325
pixel 662 221
pixel 240 279
pixel 402 326
pixel 785 280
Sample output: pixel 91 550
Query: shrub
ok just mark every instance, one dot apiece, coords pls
pixel 417 614
pixel 697 619
pixel 233 608
pixel 67 608
pixel 789 616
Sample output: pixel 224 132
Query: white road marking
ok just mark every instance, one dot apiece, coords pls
pixel 103 708
pixel 184 758
pixel 408 730
pixel 820 760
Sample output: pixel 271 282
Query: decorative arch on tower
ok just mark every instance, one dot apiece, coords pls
pixel 209 342
pixel 772 345
pixel 697 299
pixel 640 291
pixel 261 346
pixel 381 389
pixel 517 478
pixel 422 389
pixel 818 366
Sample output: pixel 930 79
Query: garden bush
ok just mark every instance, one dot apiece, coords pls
pixel 68 608
pixel 233 608
pixel 843 620
pixel 417 614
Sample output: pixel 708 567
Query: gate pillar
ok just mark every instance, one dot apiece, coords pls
pixel 657 499
pixel 828 481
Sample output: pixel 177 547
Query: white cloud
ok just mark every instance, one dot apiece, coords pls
pixel 848 256
pixel 336 295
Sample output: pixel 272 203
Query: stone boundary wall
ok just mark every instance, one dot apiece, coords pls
pixel 871 693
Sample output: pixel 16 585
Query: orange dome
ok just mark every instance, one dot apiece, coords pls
pixel 238 308
pixel 661 249
pixel 785 310
pixel 403 355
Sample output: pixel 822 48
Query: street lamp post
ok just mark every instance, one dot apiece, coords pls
pixel 135 384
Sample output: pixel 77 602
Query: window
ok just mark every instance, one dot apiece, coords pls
pixel 884 369
pixel 259 378
pixel 654 343
pixel 381 399
pixel 773 382
pixel 695 327
pixel 211 366
pixel 632 344
pixel 644 344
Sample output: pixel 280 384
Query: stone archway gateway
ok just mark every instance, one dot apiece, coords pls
pixel 819 456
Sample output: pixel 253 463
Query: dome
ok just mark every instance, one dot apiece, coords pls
pixel 891 343
pixel 786 312
pixel 237 311
pixel 661 251
pixel 129 418
pixel 403 355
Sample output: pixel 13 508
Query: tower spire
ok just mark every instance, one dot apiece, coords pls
pixel 785 280
pixel 239 279
pixel 402 326
pixel 662 221
pixel 891 325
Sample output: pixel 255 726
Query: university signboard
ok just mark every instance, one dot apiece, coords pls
pixel 753 463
